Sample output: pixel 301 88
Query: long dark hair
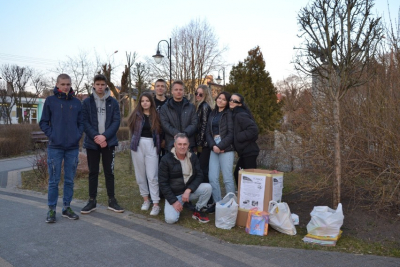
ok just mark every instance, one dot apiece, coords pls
pixel 227 97
pixel 244 105
pixel 154 119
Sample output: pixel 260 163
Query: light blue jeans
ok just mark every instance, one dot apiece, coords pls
pixel 55 158
pixel 221 162
pixel 203 193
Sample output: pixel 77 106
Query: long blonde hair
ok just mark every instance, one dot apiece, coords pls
pixel 207 97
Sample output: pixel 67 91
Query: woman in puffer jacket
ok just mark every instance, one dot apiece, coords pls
pixel 220 140
pixel 144 124
pixel 245 134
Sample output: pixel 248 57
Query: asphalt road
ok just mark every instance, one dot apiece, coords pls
pixel 105 238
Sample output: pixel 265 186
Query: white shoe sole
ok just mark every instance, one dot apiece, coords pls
pixel 119 211
pixel 87 212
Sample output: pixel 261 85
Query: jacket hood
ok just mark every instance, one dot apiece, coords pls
pixel 107 93
pixel 59 94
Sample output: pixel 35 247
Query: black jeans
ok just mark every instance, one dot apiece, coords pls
pixel 204 158
pixel 245 163
pixel 93 157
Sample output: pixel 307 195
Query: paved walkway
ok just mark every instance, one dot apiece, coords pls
pixel 105 238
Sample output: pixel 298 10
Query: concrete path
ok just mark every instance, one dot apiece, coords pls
pixel 105 238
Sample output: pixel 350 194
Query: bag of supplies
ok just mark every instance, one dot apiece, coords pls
pixel 226 212
pixel 325 221
pixel 257 222
pixel 280 218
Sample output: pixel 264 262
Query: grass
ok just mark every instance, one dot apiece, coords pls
pixel 127 193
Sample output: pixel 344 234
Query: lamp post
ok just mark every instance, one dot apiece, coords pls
pixel 158 57
pixel 223 76
pixel 112 54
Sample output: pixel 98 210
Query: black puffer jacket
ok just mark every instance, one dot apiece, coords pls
pixel 225 130
pixel 170 177
pixel 203 112
pixel 173 123
pixel 245 133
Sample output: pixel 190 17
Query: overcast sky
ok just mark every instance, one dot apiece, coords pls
pixel 40 33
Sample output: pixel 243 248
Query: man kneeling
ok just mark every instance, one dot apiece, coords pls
pixel 180 180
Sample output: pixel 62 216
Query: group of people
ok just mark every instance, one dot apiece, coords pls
pixel 178 147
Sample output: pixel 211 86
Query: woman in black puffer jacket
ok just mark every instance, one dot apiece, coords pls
pixel 245 135
pixel 220 140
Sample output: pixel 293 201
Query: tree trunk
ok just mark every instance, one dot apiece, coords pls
pixel 338 164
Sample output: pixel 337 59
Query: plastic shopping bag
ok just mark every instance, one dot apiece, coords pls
pixel 226 212
pixel 257 222
pixel 280 218
pixel 325 221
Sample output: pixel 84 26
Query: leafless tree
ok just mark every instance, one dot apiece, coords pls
pixel 339 38
pixel 195 54
pixel 24 85
pixel 82 69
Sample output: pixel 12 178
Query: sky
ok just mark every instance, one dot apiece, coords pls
pixel 41 33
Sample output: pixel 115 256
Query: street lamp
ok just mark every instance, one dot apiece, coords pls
pixel 112 54
pixel 158 57
pixel 223 76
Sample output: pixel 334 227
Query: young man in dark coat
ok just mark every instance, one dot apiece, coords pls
pixel 61 121
pixel 101 118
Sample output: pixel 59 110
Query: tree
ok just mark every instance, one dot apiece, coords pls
pixel 82 70
pixel 250 79
pixel 142 77
pixel 195 54
pixel 339 38
pixel 23 87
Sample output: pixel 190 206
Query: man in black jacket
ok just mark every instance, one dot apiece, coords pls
pixel 180 179
pixel 178 115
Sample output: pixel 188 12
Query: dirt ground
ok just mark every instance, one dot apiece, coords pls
pixel 369 224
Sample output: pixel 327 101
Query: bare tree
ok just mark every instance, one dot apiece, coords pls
pixel 82 70
pixel 142 77
pixel 195 54
pixel 24 85
pixel 339 38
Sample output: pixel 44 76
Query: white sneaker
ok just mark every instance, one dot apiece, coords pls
pixel 145 205
pixel 155 210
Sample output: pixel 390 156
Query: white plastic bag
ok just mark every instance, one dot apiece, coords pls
pixel 325 221
pixel 226 212
pixel 280 218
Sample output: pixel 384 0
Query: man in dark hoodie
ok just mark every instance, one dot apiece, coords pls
pixel 61 121
pixel 178 115
pixel 101 119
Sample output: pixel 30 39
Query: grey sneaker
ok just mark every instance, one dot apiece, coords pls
pixel 70 214
pixel 145 205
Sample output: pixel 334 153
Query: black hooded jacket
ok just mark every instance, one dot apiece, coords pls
pixel 245 133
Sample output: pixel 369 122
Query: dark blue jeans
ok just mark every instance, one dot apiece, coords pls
pixel 55 158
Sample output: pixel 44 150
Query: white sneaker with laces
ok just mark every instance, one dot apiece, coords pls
pixel 145 205
pixel 155 210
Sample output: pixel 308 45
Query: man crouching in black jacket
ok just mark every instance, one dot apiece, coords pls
pixel 180 180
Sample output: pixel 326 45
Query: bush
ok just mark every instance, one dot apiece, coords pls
pixel 15 139
pixel 123 133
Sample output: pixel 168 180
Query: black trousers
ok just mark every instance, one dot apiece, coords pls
pixel 204 158
pixel 107 155
pixel 244 163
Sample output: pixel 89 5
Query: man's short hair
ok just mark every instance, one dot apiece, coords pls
pixel 161 81
pixel 63 76
pixel 99 77
pixel 180 135
pixel 178 82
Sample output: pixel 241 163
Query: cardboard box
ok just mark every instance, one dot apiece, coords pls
pixel 256 191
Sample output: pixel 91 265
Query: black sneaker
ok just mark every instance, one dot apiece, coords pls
pixel 70 214
pixel 51 216
pixel 90 206
pixel 200 216
pixel 113 205
pixel 211 209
